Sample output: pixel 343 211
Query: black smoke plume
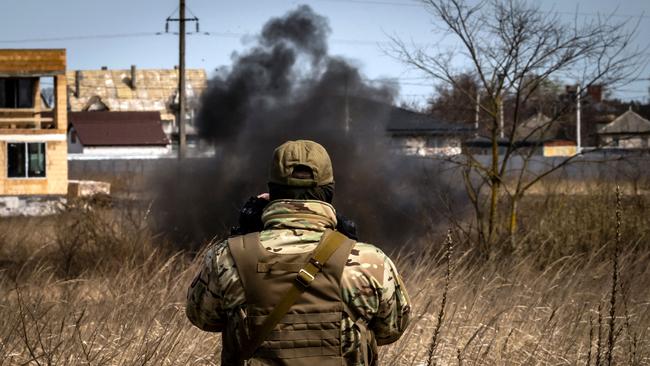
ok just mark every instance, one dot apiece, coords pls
pixel 288 87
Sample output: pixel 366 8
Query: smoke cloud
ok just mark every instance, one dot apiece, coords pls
pixel 289 87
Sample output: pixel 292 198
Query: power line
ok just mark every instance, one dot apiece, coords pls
pixel 238 35
pixel 226 34
pixel 151 34
pixel 333 40
pixel 88 37
pixel 376 2
pixel 419 4
pixel 212 34
pixel 630 91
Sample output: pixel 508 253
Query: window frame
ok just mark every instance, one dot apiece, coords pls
pixel 26 146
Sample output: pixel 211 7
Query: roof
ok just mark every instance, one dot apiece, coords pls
pixel 155 90
pixel 560 143
pixel 627 123
pixel 538 127
pixel 403 121
pixel 485 142
pixel 366 115
pixel 118 128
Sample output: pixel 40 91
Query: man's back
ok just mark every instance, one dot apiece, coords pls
pixel 370 286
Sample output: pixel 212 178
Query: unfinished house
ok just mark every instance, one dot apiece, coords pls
pixel 33 147
pixel 137 90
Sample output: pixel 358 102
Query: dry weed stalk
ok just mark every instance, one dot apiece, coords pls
pixel 599 344
pixel 449 244
pixel 591 340
pixel 611 340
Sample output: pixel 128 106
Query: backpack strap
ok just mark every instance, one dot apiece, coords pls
pixel 329 243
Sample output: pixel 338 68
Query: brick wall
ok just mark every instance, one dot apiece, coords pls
pixel 61 103
pixel 55 182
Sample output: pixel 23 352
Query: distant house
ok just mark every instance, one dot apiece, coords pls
pixel 481 145
pixel 538 132
pixel 538 129
pixel 110 134
pixel 33 154
pixel 628 131
pixel 419 134
pixel 545 135
pixel 136 90
pixel 407 132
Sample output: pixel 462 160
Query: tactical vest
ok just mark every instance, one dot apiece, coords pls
pixel 310 332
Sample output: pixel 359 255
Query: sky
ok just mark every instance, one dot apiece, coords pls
pixel 120 33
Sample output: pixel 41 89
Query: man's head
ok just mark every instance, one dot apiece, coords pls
pixel 301 169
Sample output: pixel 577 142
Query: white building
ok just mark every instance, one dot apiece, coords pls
pixel 419 134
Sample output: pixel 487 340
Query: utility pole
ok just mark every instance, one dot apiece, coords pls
pixel 501 118
pixel 478 111
pixel 578 116
pixel 182 139
pixel 347 108
pixel 182 142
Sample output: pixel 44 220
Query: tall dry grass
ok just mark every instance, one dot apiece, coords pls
pixel 93 286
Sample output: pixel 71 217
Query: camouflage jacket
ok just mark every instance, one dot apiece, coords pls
pixel 370 284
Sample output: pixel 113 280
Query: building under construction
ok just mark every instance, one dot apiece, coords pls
pixel 33 147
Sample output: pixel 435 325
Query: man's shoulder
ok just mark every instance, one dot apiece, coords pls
pixel 366 260
pixel 216 247
pixel 367 253
pixel 218 256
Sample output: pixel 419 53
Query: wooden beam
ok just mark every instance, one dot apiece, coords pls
pixel 24 110
pixel 37 102
pixel 25 119
pixel 21 62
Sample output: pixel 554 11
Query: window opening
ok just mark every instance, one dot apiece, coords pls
pixel 16 160
pixel 26 160
pixel 47 95
pixel 36 160
pixel 17 92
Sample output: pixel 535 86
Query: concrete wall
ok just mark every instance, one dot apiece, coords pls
pixel 428 145
pixel 568 150
pixel 56 159
pixel 74 147
pixel 115 151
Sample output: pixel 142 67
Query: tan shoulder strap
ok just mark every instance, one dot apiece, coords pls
pixel 329 243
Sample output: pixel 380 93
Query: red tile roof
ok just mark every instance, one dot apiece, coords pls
pixel 118 128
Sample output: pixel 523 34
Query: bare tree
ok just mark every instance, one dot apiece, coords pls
pixel 515 48
pixel 449 102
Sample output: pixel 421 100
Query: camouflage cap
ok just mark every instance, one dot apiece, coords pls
pixel 303 153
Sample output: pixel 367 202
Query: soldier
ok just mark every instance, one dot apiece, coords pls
pixel 298 292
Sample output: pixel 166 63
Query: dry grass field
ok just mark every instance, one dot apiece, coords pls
pixel 97 287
